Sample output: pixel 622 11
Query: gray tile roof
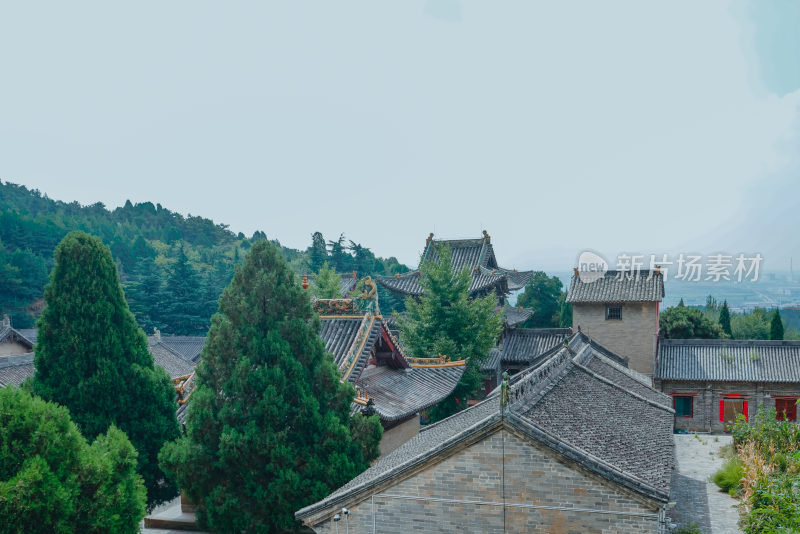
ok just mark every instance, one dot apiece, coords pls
pixel 475 255
pixel 174 365
pixel 29 334
pixel 514 315
pixel 185 347
pixel 564 404
pixel 523 345
pixel 15 369
pixel 618 286
pixel 399 393
pixel 720 360
pixel 341 334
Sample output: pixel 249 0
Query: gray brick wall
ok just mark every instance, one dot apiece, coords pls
pixel 633 337
pixel 533 475
pixel 706 397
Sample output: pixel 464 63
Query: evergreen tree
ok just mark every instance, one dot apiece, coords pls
pixel 341 261
pixel 776 326
pixel 725 319
pixel 182 300
pixel 326 284
pixel 446 321
pixel 268 428
pixel 92 358
pixel 681 304
pixel 317 253
pixel 143 292
pixel 53 481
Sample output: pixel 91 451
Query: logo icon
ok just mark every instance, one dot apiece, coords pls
pixel 591 266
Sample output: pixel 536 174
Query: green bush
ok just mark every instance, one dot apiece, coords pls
pixel 729 476
pixel 53 481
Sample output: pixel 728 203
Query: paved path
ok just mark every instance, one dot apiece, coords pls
pixel 697 498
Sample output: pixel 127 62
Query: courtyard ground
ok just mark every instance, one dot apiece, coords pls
pixel 696 498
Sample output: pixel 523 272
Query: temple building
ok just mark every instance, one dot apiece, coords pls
pixel 476 255
pixel 577 443
pixel 390 383
pixel 619 310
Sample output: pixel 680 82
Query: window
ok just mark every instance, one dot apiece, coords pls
pixel 683 406
pixel 786 408
pixel 614 313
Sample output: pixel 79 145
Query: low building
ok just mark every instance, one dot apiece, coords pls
pixel 619 309
pixel 582 444
pixel 713 380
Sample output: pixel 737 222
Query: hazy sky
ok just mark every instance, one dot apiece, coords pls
pixel 558 126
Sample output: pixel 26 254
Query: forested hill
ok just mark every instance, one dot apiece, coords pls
pixel 173 267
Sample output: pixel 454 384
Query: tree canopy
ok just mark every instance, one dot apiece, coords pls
pixel 682 322
pixel 152 248
pixel 326 284
pixel 92 358
pixel 446 321
pixel 725 319
pixel 268 425
pixel 545 295
pixel 53 481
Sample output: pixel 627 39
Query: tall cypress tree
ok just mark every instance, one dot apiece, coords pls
pixel 776 326
pixel 92 358
pixel 268 423
pixel 725 319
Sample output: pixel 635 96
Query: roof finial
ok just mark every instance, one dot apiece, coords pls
pixel 6 320
pixel 575 270
pixel 486 237
pixel 354 274
pixel 305 281
pixel 157 333
pixel 658 269
pixel 430 238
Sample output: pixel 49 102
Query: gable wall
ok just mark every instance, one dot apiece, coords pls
pixel 9 348
pixel 533 475
pixel 633 337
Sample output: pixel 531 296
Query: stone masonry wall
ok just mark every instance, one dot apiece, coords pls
pixel 707 395
pixel 633 337
pixel 533 475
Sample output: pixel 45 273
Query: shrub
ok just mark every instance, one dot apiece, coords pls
pixel 729 476
pixel 53 481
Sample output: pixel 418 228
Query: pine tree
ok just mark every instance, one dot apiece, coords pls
pixel 268 424
pixel 318 253
pixel 326 284
pixel 446 321
pixel 143 292
pixel 776 326
pixel 182 299
pixel 725 319
pixel 92 358
pixel 681 304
